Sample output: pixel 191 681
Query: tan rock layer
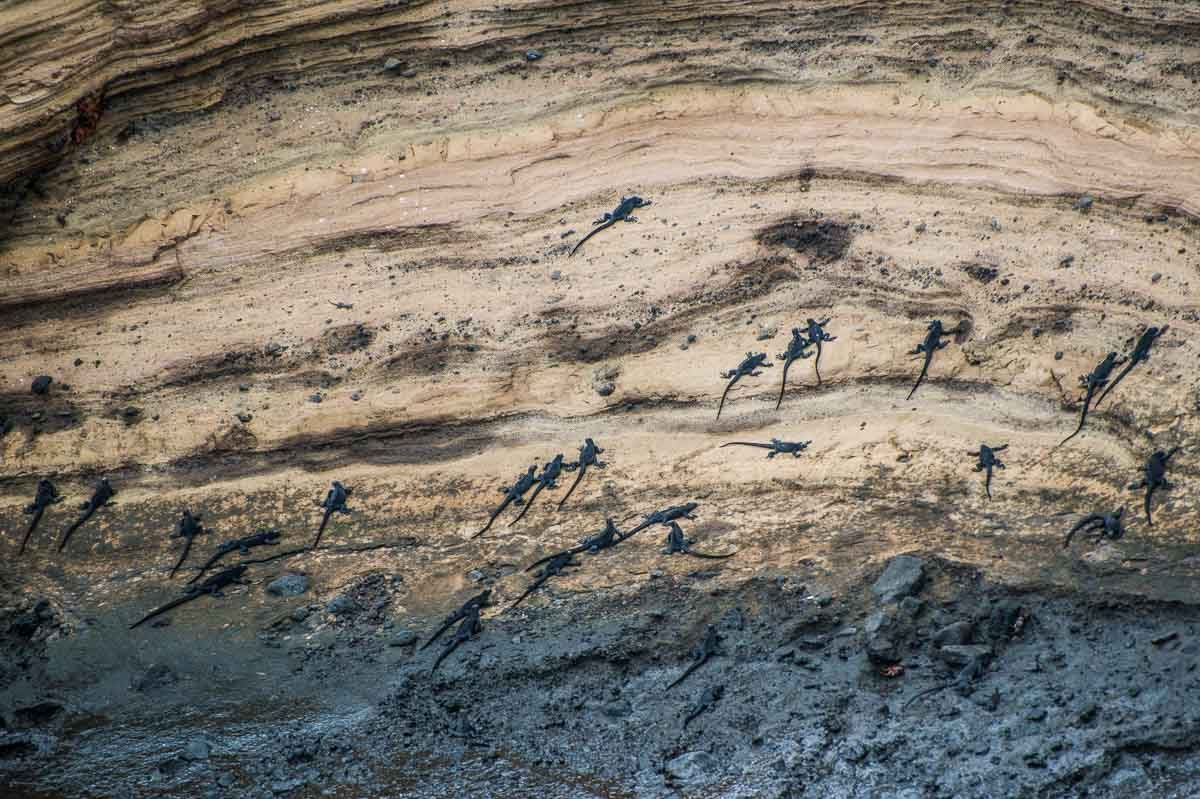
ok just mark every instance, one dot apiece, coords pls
pixel 180 269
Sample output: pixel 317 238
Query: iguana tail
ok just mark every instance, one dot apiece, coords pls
pixel 70 530
pixel 549 558
pixel 535 585
pixel 724 394
pixel 1078 526
pixel 528 502
pixel 33 523
pixel 591 233
pixel 492 520
pixel 1149 494
pixel 582 470
pixel 783 386
pixel 450 647
pixel 445 626
pixel 924 693
pixel 208 564
pixel 686 674
pixel 1117 379
pixel 920 377
pixel 988 483
pixel 321 529
pixel 746 444
pixel 174 603
pixel 187 546
pixel 817 363
pixel 1082 417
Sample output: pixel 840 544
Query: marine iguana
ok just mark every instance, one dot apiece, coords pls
pixel 609 537
pixel 817 336
pixel 242 545
pixel 777 446
pixel 964 681
pixel 677 542
pixel 481 600
pixel 795 349
pixel 46 496
pixel 1155 476
pixel 665 516
pixel 587 457
pixel 335 502
pixel 467 629
pixel 988 460
pixel 1105 525
pixel 186 528
pixel 547 479
pixel 620 214
pixel 708 700
pixel 1093 381
pixel 1141 352
pixel 213 586
pixel 513 494
pixel 553 568
pixel 932 343
pixel 103 493
pixel 709 647
pixel 748 366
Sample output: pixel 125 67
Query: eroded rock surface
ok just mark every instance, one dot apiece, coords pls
pixel 260 247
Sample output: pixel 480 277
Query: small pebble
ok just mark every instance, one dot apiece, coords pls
pixel 533 55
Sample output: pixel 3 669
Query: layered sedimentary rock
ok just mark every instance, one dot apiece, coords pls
pixel 263 246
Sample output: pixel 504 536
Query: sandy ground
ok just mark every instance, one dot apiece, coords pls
pixel 179 261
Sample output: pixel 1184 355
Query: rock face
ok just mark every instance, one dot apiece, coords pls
pixel 288 585
pixel 263 246
pixel 901 578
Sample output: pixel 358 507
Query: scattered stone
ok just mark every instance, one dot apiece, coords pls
pixel 41 384
pixel 902 577
pixel 158 675
pixel 533 55
pixel 403 638
pixel 393 65
pixel 300 613
pixel 602 379
pixel 691 768
pixel 1157 276
pixel 1066 261
pixel 356 396
pixel 981 272
pixel 244 418
pixel 243 387
pixel 921 227
pixel 995 223
pixel 556 275
pixel 952 634
pixel 341 605
pixel 959 655
pixel 1084 203
pixel 766 332
pixel 196 749
pixel 316 398
pixel 289 585
pixel 882 651
pixel 1058 356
